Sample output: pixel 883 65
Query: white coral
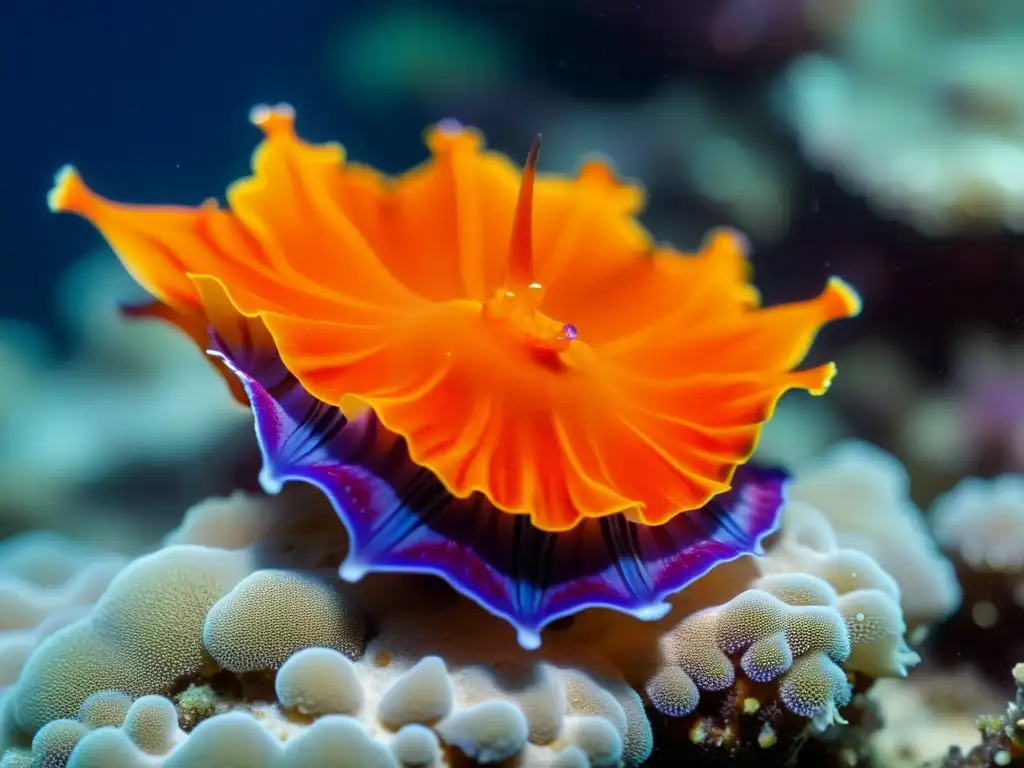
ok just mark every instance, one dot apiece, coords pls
pixel 915 108
pixel 983 522
pixel 865 494
pixel 437 671
pixel 817 612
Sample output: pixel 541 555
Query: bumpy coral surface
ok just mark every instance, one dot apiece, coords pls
pixel 980 524
pixel 865 493
pixel 235 644
pixel 46 582
pixel 1002 737
pixel 819 623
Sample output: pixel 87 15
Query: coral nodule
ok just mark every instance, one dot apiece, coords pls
pixel 252 649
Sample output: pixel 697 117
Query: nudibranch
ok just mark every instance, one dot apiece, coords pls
pixel 494 374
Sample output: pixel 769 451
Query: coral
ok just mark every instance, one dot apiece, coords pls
pixel 1002 737
pixel 544 703
pixel 272 614
pixel 143 635
pixel 223 602
pixel 195 704
pixel 237 638
pixel 55 741
pixel 864 492
pixel 489 732
pixel 232 522
pixel 818 618
pixel 105 708
pixel 927 713
pixel 321 681
pixel 46 582
pixel 914 108
pixel 421 695
pixel 151 724
pixel 980 524
pixel 417 745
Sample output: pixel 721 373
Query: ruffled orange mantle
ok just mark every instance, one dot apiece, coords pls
pixel 521 331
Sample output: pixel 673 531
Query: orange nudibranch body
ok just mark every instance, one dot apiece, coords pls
pixel 521 331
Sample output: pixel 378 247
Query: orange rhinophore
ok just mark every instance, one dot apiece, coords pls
pixel 522 332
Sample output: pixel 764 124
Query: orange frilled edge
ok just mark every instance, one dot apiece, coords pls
pixel 396 290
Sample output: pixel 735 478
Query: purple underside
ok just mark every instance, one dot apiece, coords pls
pixel 400 517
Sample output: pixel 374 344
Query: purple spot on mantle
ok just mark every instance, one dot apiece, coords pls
pixel 569 331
